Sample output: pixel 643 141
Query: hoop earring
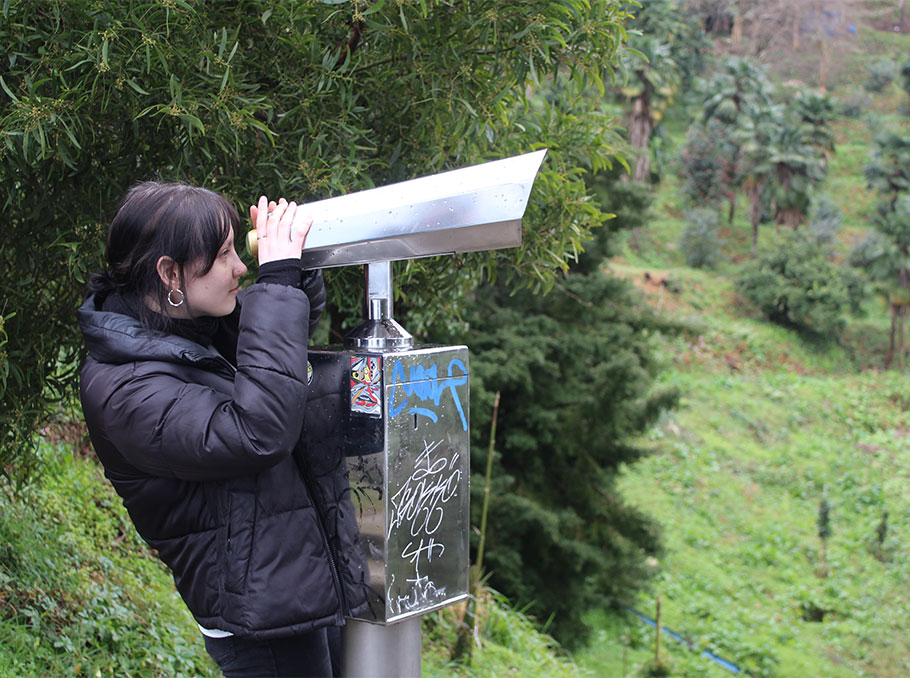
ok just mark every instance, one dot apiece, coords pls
pixel 173 303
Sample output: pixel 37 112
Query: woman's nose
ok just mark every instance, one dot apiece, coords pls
pixel 239 268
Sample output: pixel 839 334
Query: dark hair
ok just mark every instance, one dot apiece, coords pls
pixel 186 223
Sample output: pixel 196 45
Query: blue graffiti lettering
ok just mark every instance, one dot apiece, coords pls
pixel 425 386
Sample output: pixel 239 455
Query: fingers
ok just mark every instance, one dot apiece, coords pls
pixel 301 229
pixel 278 238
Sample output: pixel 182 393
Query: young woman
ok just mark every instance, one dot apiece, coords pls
pixel 194 393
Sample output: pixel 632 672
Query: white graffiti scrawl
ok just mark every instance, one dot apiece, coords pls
pixel 420 503
pixel 419 510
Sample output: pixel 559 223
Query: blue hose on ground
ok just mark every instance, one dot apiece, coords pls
pixel 730 666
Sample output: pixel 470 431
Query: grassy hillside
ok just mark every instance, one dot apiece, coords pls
pixel 770 426
pixel 736 479
pixel 81 595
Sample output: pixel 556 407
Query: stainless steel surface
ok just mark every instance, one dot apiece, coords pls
pixel 407 449
pixel 379 289
pixel 374 651
pixel 379 335
pixel 464 210
pixel 427 521
pixel 380 331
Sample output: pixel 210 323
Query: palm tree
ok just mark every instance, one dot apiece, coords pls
pixel 798 167
pixel 665 47
pixel 654 80
pixel 887 257
pixel 757 126
pixel 735 92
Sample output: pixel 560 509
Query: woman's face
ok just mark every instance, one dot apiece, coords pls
pixel 215 293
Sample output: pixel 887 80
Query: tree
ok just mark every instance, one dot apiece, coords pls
pixel 798 166
pixel 716 16
pixel 886 256
pixel 700 241
pixel 708 165
pixel 826 220
pixel 303 99
pixel 778 153
pixel 665 53
pixel 880 74
pixel 575 376
pixel 736 101
pixel 881 534
pixel 815 113
pixel 754 134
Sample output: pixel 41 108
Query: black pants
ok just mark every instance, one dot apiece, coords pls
pixel 316 654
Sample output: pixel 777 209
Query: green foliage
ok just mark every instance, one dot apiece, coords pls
pixel 825 220
pixel 888 172
pixel 738 85
pixel 507 641
pixel 737 104
pixel 302 99
pixel 708 164
pixel 767 419
pixel 880 74
pixel 824 519
pixel 630 203
pixel 796 170
pixel 81 594
pixel 886 256
pixel 739 499
pixel 816 112
pixel 700 241
pixel 795 284
pixel 854 104
pixel 575 374
pixel 665 21
pixel 666 51
pixel 777 152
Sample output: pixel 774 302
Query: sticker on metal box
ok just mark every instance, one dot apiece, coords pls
pixel 366 385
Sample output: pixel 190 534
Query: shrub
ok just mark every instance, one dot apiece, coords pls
pixel 905 77
pixel 825 221
pixel 795 284
pixel 706 163
pixel 854 104
pixel 700 241
pixel 880 74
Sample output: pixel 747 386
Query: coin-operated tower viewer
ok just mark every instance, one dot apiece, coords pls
pixel 397 412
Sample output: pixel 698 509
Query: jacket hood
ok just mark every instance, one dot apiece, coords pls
pixel 115 338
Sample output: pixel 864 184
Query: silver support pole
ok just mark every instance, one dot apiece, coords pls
pixel 379 331
pixel 378 651
pixel 379 293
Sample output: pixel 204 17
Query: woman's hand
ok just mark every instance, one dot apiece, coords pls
pixel 273 223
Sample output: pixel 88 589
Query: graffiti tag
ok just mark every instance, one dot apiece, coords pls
pixel 423 386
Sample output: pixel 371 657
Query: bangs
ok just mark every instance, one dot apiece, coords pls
pixel 211 227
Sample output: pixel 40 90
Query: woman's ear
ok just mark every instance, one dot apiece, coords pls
pixel 169 272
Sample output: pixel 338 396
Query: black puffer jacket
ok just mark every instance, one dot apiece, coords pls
pixel 214 466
